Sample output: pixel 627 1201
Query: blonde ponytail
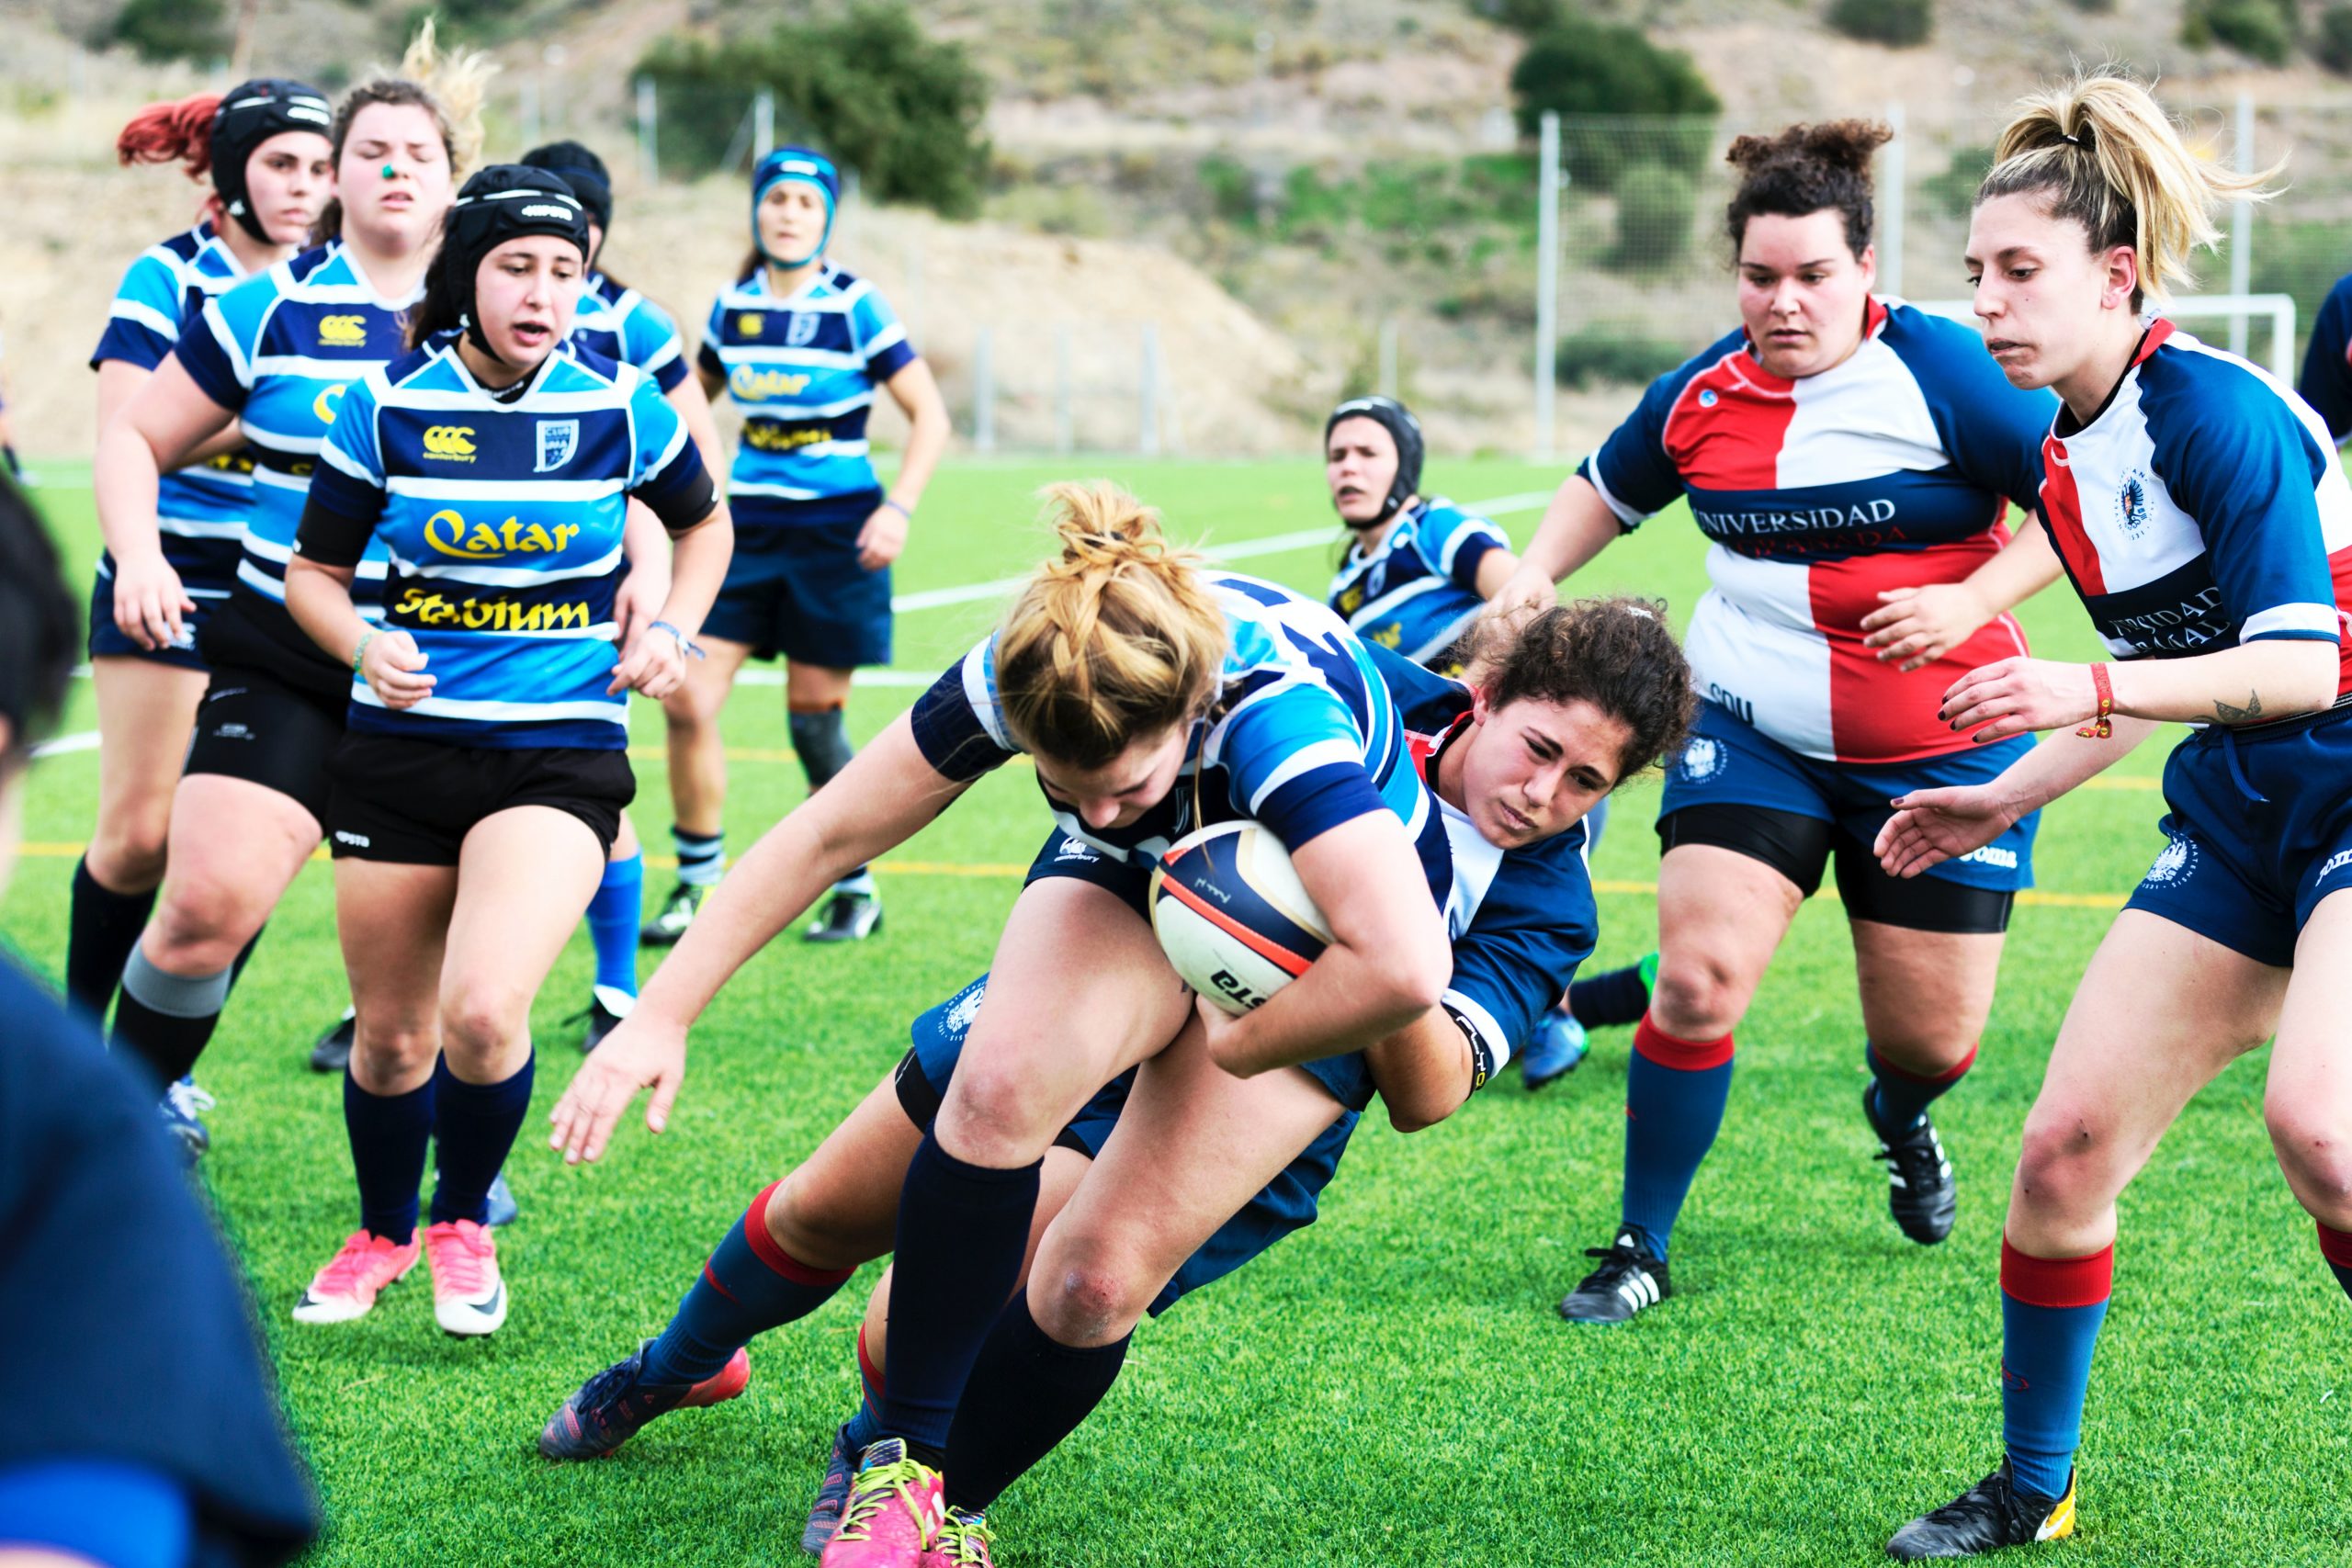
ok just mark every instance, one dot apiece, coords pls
pixel 449 87
pixel 1116 640
pixel 2111 160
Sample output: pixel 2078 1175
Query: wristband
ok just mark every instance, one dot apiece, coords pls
pixel 2101 726
pixel 360 653
pixel 686 645
pixel 898 507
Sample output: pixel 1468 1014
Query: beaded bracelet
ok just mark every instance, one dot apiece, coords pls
pixel 361 651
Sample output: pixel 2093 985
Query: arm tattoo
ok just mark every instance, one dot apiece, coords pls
pixel 2229 714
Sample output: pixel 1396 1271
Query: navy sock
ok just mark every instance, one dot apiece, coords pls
pixel 388 1134
pixel 2051 1312
pixel 2337 1247
pixel 962 1232
pixel 867 1425
pixel 1675 1091
pixel 1619 997
pixel 615 916
pixel 1027 1391
pixel 702 857
pixel 100 933
pixel 749 1286
pixel 1900 1097
pixel 474 1129
pixel 165 1021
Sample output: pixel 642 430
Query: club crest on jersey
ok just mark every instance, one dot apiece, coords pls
pixel 1703 758
pixel 2174 864
pixel 1707 398
pixel 557 439
pixel 2131 505
pixel 449 442
pixel 343 331
pixel 803 330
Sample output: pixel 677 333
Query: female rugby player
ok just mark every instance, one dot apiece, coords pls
pixel 265 143
pixel 276 353
pixel 800 345
pixel 1583 697
pixel 1414 575
pixel 481 782
pixel 1833 447
pixel 2202 515
pixel 1151 696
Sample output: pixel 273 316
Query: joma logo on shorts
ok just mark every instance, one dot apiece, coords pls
pixel 449 442
pixel 356 840
pixel 2335 861
pixel 1992 855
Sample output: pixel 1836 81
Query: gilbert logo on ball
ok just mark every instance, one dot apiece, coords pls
pixel 1232 915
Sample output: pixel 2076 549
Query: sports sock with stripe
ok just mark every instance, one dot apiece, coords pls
pixel 387 1134
pixel 1675 1092
pixel 1028 1392
pixel 2050 1312
pixel 615 916
pixel 1899 1097
pixel 474 1129
pixel 102 929
pixel 820 739
pixel 867 1425
pixel 2337 1247
pixel 1621 996
pixel 749 1286
pixel 963 1230
pixel 165 1021
pixel 702 857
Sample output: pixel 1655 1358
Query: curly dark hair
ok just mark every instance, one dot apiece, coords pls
pixel 1615 653
pixel 40 628
pixel 1805 169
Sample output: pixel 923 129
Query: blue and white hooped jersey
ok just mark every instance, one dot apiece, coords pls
pixel 1419 591
pixel 1304 737
pixel 1522 920
pixel 282 349
pixel 2327 382
pixel 200 511
pixel 2202 507
pixel 502 519
pixel 803 369
pixel 623 325
pixel 1893 468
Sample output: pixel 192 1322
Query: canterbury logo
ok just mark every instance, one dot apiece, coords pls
pixel 343 331
pixel 450 442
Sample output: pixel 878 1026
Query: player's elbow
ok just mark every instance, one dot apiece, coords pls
pixel 2313 671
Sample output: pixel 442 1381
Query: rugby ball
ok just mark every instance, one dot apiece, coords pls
pixel 1232 916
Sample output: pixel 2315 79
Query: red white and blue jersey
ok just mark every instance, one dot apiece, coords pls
pixel 1893 469
pixel 200 509
pixel 2327 382
pixel 2203 506
pixel 1521 920
pixel 1419 591
pixel 1305 736
pixel 622 324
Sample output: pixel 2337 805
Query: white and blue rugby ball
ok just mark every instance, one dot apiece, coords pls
pixel 1232 915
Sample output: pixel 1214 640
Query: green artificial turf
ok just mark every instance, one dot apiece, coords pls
pixel 1390 1387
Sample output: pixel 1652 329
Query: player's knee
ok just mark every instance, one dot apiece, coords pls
pixel 2065 1163
pixel 805 1221
pixel 479 1019
pixel 692 706
pixel 201 923
pixel 1092 1300
pixel 994 1116
pixel 126 850
pixel 2314 1144
pixel 1697 996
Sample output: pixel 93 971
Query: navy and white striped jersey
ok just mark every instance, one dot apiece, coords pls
pixel 2203 506
pixel 803 369
pixel 281 350
pixel 501 515
pixel 622 324
pixel 1521 920
pixel 1304 737
pixel 1419 591
pixel 200 511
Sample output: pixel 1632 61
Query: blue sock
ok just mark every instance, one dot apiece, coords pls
pixel 2051 1310
pixel 615 915
pixel 474 1128
pixel 1675 1091
pixel 962 1232
pixel 702 857
pixel 1899 1097
pixel 866 1425
pixel 1618 997
pixel 749 1286
pixel 2337 1247
pixel 387 1134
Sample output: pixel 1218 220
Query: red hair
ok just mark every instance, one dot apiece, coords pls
pixel 177 132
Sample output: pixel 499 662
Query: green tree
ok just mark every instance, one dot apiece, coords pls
pixel 173 30
pixel 1583 68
